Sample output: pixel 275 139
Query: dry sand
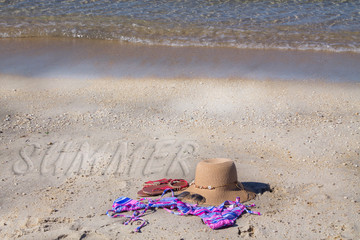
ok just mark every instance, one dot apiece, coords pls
pixel 68 150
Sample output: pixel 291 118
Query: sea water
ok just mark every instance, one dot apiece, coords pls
pixel 221 32
pixel 286 24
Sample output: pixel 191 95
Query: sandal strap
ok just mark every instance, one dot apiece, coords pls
pixel 186 184
pixel 169 187
pixel 157 182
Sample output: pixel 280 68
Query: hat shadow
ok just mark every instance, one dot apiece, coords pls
pixel 257 187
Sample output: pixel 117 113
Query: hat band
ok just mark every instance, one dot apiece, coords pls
pixel 241 187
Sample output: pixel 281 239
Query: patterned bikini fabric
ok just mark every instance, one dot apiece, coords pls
pixel 221 216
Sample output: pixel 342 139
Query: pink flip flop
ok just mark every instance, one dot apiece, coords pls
pixel 141 193
pixel 158 189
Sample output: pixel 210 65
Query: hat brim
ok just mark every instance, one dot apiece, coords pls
pixel 217 196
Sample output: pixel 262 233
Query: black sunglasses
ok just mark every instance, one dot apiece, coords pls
pixel 191 197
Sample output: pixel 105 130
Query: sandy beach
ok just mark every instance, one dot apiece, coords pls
pixel 69 148
pixel 301 139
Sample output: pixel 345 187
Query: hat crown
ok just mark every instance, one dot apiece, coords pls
pixel 215 172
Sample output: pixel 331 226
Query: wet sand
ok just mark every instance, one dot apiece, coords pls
pixel 69 148
pixel 89 59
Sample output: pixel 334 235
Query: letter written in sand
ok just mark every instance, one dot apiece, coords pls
pixel 25 159
pixel 117 164
pixel 53 159
pixel 158 158
pixel 187 149
pixel 84 160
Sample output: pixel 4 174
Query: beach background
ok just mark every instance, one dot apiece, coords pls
pixel 97 97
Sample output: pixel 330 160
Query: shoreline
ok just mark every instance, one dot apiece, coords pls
pixel 92 59
pixel 92 142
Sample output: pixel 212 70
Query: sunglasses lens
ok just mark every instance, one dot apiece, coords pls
pixel 183 195
pixel 198 198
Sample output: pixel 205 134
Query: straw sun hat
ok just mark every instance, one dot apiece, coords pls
pixel 216 180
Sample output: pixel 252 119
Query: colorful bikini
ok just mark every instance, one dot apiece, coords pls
pixel 221 216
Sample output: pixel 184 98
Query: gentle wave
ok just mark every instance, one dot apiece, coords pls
pixel 179 42
pixel 260 24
